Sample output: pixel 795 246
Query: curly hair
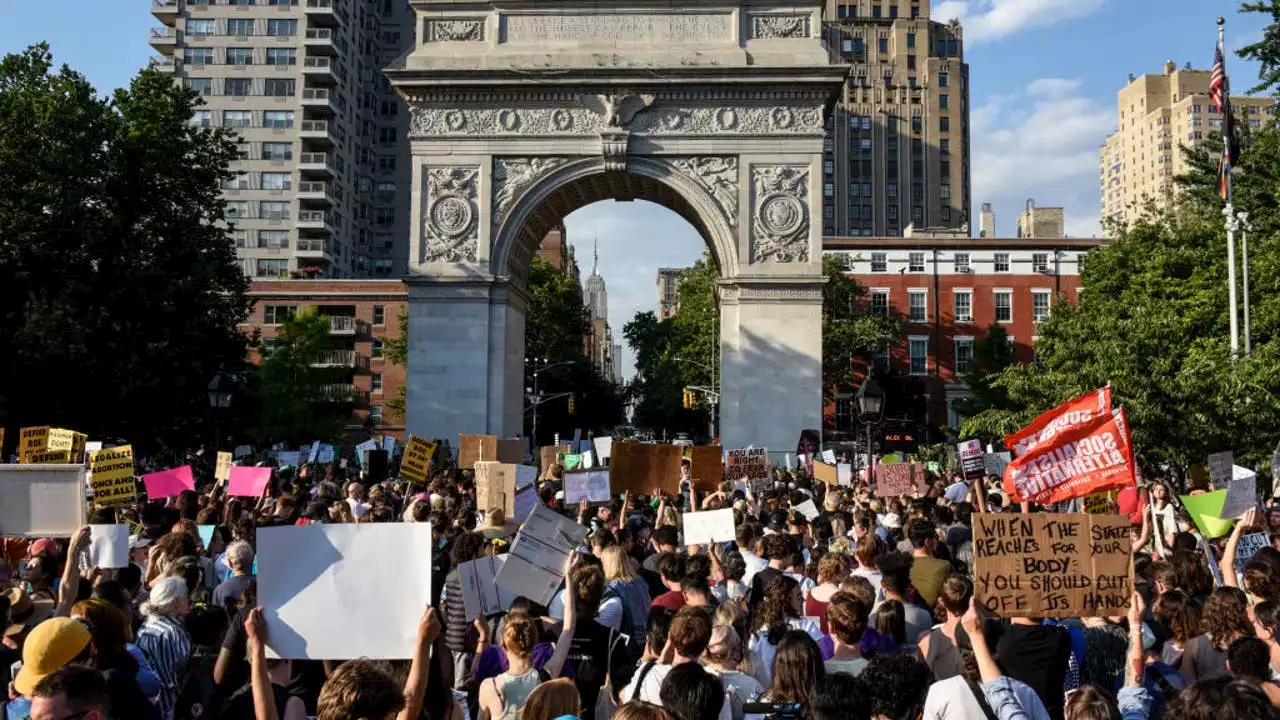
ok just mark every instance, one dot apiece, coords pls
pixel 1177 610
pixel 775 609
pixel 359 689
pixel 1188 567
pixel 895 684
pixel 831 568
pixel 1223 696
pixel 519 635
pixel 1226 617
pixel 1262 574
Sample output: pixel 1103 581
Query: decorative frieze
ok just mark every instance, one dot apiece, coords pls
pixel 450 216
pixel 631 111
pixel 719 177
pixel 459 30
pixel 780 223
pixel 618 27
pixel 774 27
pixel 512 176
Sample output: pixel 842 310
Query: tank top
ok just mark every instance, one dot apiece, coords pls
pixel 1210 661
pixel 816 609
pixel 944 657
pixel 513 690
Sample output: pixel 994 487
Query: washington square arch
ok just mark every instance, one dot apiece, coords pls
pixel 523 111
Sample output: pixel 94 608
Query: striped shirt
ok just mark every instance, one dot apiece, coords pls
pixel 168 647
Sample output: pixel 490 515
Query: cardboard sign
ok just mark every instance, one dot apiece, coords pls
pixel 706 467
pixel 476 448
pixel 496 487
pixel 1053 566
pixel 1081 460
pixel 222 471
pixel 50 457
pixel 168 483
pixel 480 594
pixel 113 482
pixel 707 526
pixel 416 462
pixel 826 473
pixel 747 462
pixel 1220 465
pixel 32 440
pixel 549 455
pixel 646 468
pixel 897 480
pixel 592 485
pixel 1249 546
pixel 1073 413
pixel 1242 493
pixel 972 463
pixel 41 500
pixel 535 566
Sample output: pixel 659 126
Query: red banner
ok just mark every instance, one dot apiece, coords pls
pixel 1073 413
pixel 1080 459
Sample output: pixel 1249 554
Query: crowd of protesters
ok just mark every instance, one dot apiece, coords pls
pixel 864 612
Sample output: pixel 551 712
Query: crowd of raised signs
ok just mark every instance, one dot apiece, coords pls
pixel 778 595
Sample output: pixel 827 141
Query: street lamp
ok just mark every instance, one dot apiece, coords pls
pixel 537 396
pixel 870 399
pixel 221 388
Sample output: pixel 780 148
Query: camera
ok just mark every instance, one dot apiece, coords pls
pixel 775 711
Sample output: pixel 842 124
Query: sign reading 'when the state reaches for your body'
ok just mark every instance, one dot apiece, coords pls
pixel 1052 565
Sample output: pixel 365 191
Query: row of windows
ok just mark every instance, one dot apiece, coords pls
pixel 234 3
pixel 245 87
pixel 877 12
pixel 239 27
pixel 962 304
pixel 962 263
pixel 241 55
pixel 277 314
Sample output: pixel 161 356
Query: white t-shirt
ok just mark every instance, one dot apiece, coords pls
pixel 609 614
pixel 755 564
pixel 874 577
pixel 358 508
pixel 766 650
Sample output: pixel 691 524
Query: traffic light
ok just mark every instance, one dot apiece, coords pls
pixel 571 406
pixel 688 399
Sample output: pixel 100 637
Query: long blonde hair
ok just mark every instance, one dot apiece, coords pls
pixel 617 566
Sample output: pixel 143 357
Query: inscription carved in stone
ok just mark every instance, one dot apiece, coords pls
pixel 780 223
pixel 619 27
pixel 772 27
pixel 469 30
pixel 450 221
pixel 719 177
pixel 513 176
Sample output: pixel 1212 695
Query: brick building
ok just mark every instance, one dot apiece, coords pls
pixel 363 314
pixel 950 288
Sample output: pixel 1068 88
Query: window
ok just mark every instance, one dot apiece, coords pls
pixel 274 210
pixel 271 268
pixel 277 151
pixel 918 305
pixel 917 213
pixel 282 27
pixel 1080 264
pixel 962 262
pixel 282 56
pixel 1002 262
pixel 277 181
pixel 240 28
pixel 865 144
pixel 917 124
pixel 276 314
pixel 237 87
pixel 828 190
pixel 915 262
pixel 1039 305
pixel 278 87
pixel 891 190
pixel 866 123
pixel 828 167
pixel 944 147
pixel 880 302
pixel 197 56
pixel 911 40
pixel 1004 306
pixel 945 213
pixel 277 119
pixel 918 349
pixel 944 101
pixel 375 414
pixel 375 382
pixel 911 62
pixel 239 181
pixel 202 86
pixel 386 163
pixel 239 2
pixel 892 213
pixel 884 45
pixel 944 124
pixel 866 212
pixel 946 191
pixel 273 239
pixel 964 305
pixel 875 11
pixel 964 354
pixel 866 190
pixel 239 56
pixel 203 118
pixel 879 262
pixel 241 239
pixel 387 135
pixel 942 80
pixel 202 27
pixel 237 209
pixel 379 315
pixel 375 350
pixel 1040 262
pixel 237 118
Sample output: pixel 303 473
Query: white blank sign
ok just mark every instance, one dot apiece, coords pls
pixel 41 500
pixel 338 592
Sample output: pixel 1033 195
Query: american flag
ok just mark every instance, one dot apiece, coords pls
pixel 1220 97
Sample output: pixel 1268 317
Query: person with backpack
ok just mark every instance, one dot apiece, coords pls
pixel 633 593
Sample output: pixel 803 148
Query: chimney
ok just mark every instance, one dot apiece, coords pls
pixel 987 222
pixel 1170 67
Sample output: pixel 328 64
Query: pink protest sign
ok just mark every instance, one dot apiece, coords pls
pixel 248 481
pixel 168 483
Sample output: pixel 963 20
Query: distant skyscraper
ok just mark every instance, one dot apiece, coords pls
pixel 598 345
pixel 668 280
pixel 594 293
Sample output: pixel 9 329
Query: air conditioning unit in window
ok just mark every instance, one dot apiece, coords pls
pixel 967 269
pixel 1044 270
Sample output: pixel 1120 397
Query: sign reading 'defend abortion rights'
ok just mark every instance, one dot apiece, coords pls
pixel 1052 565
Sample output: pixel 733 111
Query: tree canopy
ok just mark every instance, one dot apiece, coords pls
pixel 299 400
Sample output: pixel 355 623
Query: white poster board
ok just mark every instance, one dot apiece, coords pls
pixel 844 474
pixel 41 500
pixel 593 485
pixel 808 509
pixel 1242 493
pixel 604 447
pixel 829 457
pixel 480 594
pixel 109 546
pixel 703 527
pixel 1220 465
pixel 995 463
pixel 525 500
pixel 344 591
pixel 535 566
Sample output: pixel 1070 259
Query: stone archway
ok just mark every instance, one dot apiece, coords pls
pixel 523 111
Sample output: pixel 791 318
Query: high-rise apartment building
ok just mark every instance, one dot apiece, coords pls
pixel 322 181
pixel 668 301
pixel 1157 115
pixel 897 149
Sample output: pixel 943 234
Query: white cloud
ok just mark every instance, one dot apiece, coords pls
pixel 986 20
pixel 1041 143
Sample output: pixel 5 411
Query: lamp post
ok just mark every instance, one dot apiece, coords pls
pixel 536 396
pixel 221 389
pixel 871 409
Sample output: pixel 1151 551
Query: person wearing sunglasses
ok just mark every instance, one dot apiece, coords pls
pixel 75 692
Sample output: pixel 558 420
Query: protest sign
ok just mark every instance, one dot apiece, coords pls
pixel 222 471
pixel 32 440
pixel 241 451
pixel 476 448
pixel 286 459
pixel 570 461
pixel 995 463
pixel 535 566
pixel 1242 493
pixel 971 459
pixel 808 442
pixel 588 460
pixel 1220 464
pixel 844 474
pixel 389 444
pixel 168 483
pixel 326 454
pixel 603 446
pixel 829 457
pixel 1080 411
pixel 747 462
pixel 41 500
pixel 50 457
pixel 526 498
pixel 808 509
pixel 706 467
pixel 891 459
pixel 549 455
pixel 249 481
pixel 481 596
pixel 646 467
pixel 1079 460
pixel 899 479
pixel 1205 510
pixel 525 475
pixel 707 526
pixel 109 546
pixel 496 487
pixel 206 534
pixel 1249 546
pixel 1052 565
pixel 593 485
pixel 311 575
pixel 1102 503
pixel 416 462
pixel 826 473
pixel 61 439
pixel 113 482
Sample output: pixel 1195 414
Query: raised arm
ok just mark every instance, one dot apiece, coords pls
pixel 264 703
pixel 1228 562
pixel 415 686
pixel 555 664
pixel 70 587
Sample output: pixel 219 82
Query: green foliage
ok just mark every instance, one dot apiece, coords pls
pixel 119 290
pixel 396 351
pixel 1266 51
pixel 849 329
pixel 296 402
pixel 992 355
pixel 556 318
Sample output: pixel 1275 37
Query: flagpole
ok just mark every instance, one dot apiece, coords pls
pixel 1245 227
pixel 1232 222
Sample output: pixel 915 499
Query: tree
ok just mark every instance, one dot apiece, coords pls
pixel 119 289
pixel 297 401
pixel 993 353
pixel 555 319
pixel 1265 52
pixel 396 351
pixel 849 329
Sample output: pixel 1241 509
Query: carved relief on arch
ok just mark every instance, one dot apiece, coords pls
pixel 718 176
pixel 780 216
pixel 512 177
pixel 450 214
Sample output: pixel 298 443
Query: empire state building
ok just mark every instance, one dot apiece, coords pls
pixel 598 344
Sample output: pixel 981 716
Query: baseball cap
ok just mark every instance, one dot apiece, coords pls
pixel 52 645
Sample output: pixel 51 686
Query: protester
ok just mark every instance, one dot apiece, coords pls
pixel 163 640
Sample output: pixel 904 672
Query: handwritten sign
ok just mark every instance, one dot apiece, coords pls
pixel 972 463
pixel 222 471
pixel 1220 464
pixel 1052 565
pixel 1242 493
pixel 844 474
pixel 1100 503
pixel 995 463
pixel 32 440
pixel 113 482
pixel 592 485
pixel 748 462
pixel 417 459
pixel 496 487
pixel 49 457
pixel 1249 546
pixel 898 479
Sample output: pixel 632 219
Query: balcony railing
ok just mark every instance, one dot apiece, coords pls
pixel 315 126
pixel 311 245
pixel 335 358
pixel 319 34
pixel 342 325
pixel 314 63
pixel 166 33
pixel 315 94
pixel 339 391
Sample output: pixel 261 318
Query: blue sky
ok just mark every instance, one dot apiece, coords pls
pixel 1043 81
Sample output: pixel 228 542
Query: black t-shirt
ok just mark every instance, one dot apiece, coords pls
pixel 759 582
pixel 591 660
pixel 240 705
pixel 1037 655
pixel 307 678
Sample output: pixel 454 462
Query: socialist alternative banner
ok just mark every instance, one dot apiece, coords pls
pixel 1073 413
pixel 1080 458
